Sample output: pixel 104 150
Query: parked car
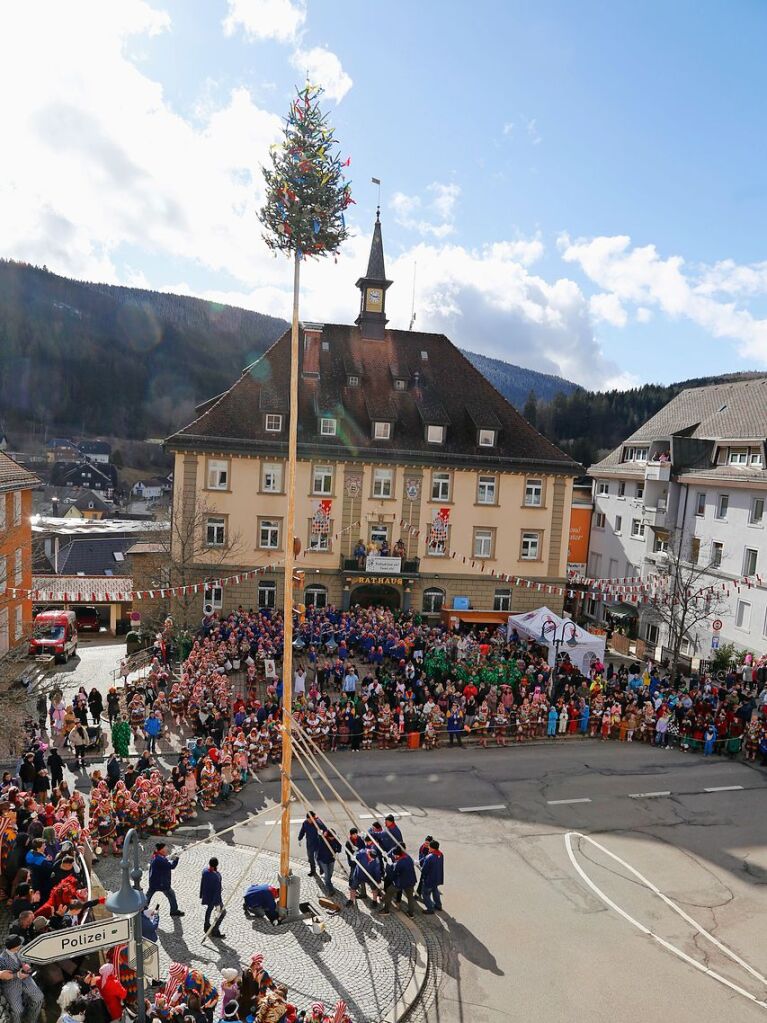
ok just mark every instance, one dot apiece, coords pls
pixel 54 632
pixel 88 619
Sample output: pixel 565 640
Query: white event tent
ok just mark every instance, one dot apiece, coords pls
pixel 557 634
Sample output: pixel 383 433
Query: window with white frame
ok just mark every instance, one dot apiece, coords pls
pixel 353 380
pixel 502 600
pixel 486 438
pixel 269 534
pixel 218 474
pixel 750 556
pixel 533 493
pixel 621 488
pixel 635 454
pixel 755 457
pixel 743 615
pixel 17 507
pixel 322 479
pixel 379 533
pixel 3 512
pixel 215 531
pixel 440 486
pixel 756 515
pixel 438 545
pixel 213 595
pixel 433 599
pixel 381 430
pixel 435 434
pixel 399 384
pixel 722 505
pixel 599 520
pixel 273 422
pixel 18 624
pixel 700 504
pixel 618 523
pixel 18 566
pixel 328 427
pixel 686 647
pixel 383 482
pixel 640 491
pixel 717 550
pixel 483 542
pixel 267 593
pixel 637 529
pixel 319 540
pixel 316 596
pixel 486 490
pixel 603 487
pixel 652 634
pixel 738 456
pixel 595 565
pixel 271 477
pixel 530 547
pixel 660 543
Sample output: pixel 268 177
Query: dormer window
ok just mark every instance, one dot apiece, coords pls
pixel 738 456
pixel 325 346
pixel 353 381
pixel 486 438
pixel 273 422
pixel 435 434
pixel 399 384
pixel 328 427
pixel 381 430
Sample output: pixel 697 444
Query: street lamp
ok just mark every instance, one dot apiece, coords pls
pixel 130 901
pixel 557 642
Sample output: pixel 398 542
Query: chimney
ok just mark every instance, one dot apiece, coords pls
pixel 310 365
pixel 55 507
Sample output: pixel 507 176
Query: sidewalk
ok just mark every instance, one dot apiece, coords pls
pixel 376 964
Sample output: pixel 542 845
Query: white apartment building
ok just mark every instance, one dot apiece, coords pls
pixel 693 474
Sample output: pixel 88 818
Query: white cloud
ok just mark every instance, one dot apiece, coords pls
pixel 324 68
pixel 640 276
pixel 729 278
pixel 508 128
pixel 532 131
pixel 439 210
pixel 265 19
pixel 608 308
pixel 643 314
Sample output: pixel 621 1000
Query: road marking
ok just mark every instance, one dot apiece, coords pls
pixel 564 802
pixel 724 788
pixel 293 820
pixel 375 817
pixel 476 809
pixel 648 795
pixel 672 905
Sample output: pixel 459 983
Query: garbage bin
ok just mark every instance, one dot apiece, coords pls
pixel 413 740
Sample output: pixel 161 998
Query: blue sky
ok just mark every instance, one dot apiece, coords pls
pixel 581 186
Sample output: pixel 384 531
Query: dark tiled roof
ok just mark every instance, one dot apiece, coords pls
pixel 14 476
pixel 95 447
pixel 92 555
pixel 445 383
pixel 376 268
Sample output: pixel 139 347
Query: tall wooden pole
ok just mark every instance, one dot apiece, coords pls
pixel 287 657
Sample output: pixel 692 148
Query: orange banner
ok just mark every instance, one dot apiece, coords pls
pixel 580 532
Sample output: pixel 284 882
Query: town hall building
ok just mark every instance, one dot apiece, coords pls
pixel 418 484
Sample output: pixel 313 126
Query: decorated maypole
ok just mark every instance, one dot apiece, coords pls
pixel 303 216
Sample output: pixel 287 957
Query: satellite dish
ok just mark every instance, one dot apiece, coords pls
pixel 207 609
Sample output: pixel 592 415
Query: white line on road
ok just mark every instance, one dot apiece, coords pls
pixel 373 817
pixel 648 795
pixel 476 809
pixel 724 788
pixel 293 820
pixel 564 802
pixel 672 905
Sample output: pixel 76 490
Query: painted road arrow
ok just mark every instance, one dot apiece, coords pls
pixel 77 941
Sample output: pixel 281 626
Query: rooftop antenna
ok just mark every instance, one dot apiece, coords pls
pixel 377 181
pixel 412 304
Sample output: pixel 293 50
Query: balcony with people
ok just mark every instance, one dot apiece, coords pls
pixel 377 557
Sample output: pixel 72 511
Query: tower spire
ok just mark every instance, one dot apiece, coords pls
pixel 373 287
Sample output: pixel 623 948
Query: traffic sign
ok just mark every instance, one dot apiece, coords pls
pixel 714 642
pixel 76 941
pixel 716 624
pixel 151 957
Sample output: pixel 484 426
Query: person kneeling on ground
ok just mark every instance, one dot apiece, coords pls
pixel 263 898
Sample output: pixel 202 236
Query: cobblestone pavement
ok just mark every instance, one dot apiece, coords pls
pixel 363 958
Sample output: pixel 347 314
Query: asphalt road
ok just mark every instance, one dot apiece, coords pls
pixel 524 935
pixel 534 931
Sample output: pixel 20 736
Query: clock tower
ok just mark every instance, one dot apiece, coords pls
pixel 373 286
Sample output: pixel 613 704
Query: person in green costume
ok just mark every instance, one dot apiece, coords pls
pixel 121 734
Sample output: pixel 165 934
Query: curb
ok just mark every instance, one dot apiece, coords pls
pixel 407 1000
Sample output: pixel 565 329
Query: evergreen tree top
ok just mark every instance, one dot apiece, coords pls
pixel 306 194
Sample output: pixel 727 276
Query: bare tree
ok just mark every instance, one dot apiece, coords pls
pixel 184 555
pixel 687 593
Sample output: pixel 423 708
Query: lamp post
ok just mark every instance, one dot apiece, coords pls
pixel 557 642
pixel 130 901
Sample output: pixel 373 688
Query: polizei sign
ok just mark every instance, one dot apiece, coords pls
pixel 77 941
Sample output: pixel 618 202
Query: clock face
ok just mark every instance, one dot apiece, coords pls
pixel 374 302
